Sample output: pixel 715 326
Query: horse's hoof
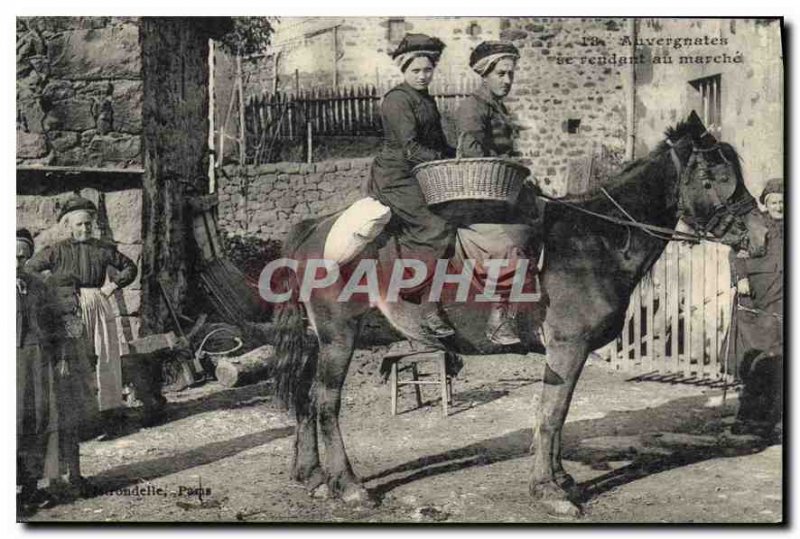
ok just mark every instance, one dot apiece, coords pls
pixel 358 496
pixel 312 478
pixel 322 492
pixel 557 499
pixel 566 482
pixel 562 508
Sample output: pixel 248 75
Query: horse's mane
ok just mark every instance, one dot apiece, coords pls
pixel 632 171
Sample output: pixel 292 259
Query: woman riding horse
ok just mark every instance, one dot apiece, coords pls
pixel 412 135
pixel 486 130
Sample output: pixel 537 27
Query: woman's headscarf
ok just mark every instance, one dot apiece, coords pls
pixel 487 54
pixel 416 45
pixel 774 186
pixel 76 203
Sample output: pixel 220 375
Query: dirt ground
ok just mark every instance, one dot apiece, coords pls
pixel 224 455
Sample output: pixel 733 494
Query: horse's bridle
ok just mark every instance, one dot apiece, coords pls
pixel 726 213
pixel 735 210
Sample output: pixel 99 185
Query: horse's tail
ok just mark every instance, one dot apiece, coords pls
pixel 296 348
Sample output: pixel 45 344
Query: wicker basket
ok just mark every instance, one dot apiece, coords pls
pixel 474 178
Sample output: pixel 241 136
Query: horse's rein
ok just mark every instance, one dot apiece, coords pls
pixel 659 232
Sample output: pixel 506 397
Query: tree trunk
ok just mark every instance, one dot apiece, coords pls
pixel 175 142
pixel 254 366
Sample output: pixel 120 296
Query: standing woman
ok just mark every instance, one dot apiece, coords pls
pixel 412 135
pixel 35 384
pixel 86 260
pixel 757 347
pixel 485 129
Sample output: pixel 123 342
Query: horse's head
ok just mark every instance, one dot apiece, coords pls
pixel 711 196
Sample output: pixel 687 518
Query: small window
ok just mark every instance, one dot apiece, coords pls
pixel 474 29
pixel 573 124
pixel 397 29
pixel 709 90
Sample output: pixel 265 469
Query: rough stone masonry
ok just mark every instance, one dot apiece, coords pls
pixel 266 200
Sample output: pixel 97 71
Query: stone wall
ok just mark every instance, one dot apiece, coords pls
pixel 266 200
pixel 119 202
pixel 751 90
pixel 79 92
pixel 549 98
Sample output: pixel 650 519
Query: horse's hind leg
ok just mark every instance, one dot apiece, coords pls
pixel 306 467
pixel 337 339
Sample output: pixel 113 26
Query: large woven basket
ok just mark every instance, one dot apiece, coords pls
pixel 474 178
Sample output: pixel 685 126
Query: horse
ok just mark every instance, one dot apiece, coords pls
pixel 597 247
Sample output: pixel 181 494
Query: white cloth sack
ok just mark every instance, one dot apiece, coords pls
pixel 355 228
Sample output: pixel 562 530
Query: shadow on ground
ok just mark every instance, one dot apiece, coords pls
pixel 685 416
pixel 129 474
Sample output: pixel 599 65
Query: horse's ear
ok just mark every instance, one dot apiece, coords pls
pixel 699 131
pixel 695 121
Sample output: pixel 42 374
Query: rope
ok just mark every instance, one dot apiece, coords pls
pixel 670 234
pixel 628 215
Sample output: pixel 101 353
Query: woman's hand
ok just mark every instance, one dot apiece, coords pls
pixel 108 289
pixel 743 287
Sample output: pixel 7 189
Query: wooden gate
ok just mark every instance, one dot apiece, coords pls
pixel 678 316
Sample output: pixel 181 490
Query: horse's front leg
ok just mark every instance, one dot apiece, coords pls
pixel 549 482
pixel 337 340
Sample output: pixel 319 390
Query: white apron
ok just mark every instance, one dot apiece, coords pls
pixel 101 328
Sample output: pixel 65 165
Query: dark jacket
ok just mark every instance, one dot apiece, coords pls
pixel 765 273
pixel 412 134
pixel 485 129
pixel 484 126
pixel 758 320
pixel 38 322
pixel 86 261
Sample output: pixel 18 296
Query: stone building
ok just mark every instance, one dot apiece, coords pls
pixel 733 79
pixel 116 109
pixel 328 52
pixel 597 90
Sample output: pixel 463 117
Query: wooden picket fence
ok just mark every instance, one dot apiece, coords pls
pixel 345 111
pixel 678 317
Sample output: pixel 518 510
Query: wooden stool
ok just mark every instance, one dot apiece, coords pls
pixel 443 380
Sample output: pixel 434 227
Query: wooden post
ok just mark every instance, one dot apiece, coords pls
pixel 637 327
pixel 393 386
pixel 648 359
pixel 242 133
pixel 310 158
pixel 275 62
pixel 673 298
pixel 335 57
pixel 417 390
pixel 224 125
pixel 212 180
pixel 443 379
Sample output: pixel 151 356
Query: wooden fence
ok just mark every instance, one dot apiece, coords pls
pixel 346 111
pixel 678 316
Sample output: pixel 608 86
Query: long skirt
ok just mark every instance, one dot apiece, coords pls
pixel 101 327
pixel 34 400
pixel 71 408
pixel 482 242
